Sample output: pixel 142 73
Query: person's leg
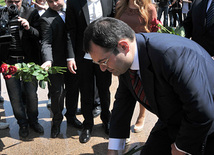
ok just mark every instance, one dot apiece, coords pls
pixel 140 120
pixel 158 141
pixel 103 81
pixel 87 98
pixel 170 18
pixel 87 92
pixel 31 100
pixel 57 102
pixel 180 17
pixel 32 105
pixel 160 10
pixel 15 94
pixel 174 14
pixel 71 99
pixel 57 97
pixel 166 16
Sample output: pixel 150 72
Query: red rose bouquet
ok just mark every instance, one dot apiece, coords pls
pixel 157 26
pixel 27 71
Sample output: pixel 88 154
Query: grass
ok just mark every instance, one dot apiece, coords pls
pixel 2 2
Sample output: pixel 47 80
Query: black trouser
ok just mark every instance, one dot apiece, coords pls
pixel 174 13
pixel 89 70
pixel 61 86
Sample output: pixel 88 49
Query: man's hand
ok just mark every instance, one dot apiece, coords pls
pixel 112 152
pixel 46 65
pixel 174 151
pixel 71 64
pixel 24 23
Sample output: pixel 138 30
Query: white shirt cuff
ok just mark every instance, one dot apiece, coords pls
pixel 116 144
pixel 181 150
pixel 69 59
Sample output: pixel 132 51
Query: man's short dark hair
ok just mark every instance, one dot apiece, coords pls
pixel 106 32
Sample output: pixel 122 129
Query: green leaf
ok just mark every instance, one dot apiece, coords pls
pixel 180 31
pixel 35 73
pixel 40 77
pixel 42 84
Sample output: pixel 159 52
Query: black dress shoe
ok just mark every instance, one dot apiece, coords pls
pixel 23 131
pixel 97 110
pixel 106 127
pixel 1 99
pixel 85 135
pixel 37 127
pixel 75 122
pixel 55 130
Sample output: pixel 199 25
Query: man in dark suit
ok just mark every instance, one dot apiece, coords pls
pixel 177 82
pixel 24 47
pixel 79 14
pixel 198 27
pixel 54 48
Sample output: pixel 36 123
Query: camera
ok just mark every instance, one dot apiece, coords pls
pixel 8 19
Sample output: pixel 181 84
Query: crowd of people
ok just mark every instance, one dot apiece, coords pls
pixel 98 38
pixel 174 10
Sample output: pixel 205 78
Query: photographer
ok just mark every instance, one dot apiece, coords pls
pixel 22 23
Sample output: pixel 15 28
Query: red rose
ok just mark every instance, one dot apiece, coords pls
pixel 12 69
pixel 7 76
pixel 154 25
pixel 4 68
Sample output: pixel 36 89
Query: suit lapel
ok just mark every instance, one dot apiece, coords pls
pixel 146 74
pixel 203 6
pixel 212 21
pixel 103 7
pixel 84 5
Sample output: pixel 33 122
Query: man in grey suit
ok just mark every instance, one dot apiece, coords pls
pixel 54 48
pixel 170 75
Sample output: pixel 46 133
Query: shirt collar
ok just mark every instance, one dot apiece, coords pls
pixel 135 64
pixel 93 0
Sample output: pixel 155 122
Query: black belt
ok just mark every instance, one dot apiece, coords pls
pixel 17 57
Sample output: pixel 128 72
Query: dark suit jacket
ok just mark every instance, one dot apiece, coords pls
pixel 53 36
pixel 195 26
pixel 77 19
pixel 29 38
pixel 179 86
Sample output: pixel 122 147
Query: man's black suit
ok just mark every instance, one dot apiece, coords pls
pixel 54 48
pixel 195 26
pixel 179 87
pixel 77 19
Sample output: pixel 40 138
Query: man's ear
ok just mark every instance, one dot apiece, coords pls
pixel 123 44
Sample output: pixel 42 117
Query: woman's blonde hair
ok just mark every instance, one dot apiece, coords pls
pixel 143 6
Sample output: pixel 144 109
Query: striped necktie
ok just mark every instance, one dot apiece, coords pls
pixel 210 14
pixel 137 86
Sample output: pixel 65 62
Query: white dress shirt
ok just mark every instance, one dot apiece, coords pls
pixel 95 12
